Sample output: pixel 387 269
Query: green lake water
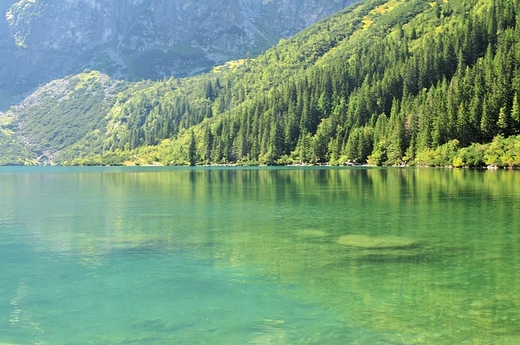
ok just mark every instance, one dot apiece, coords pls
pixel 259 256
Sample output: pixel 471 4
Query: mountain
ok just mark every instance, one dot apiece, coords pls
pixel 140 39
pixel 383 81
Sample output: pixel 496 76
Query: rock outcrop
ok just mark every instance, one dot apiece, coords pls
pixel 133 39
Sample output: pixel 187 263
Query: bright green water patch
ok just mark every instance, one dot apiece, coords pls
pixel 259 256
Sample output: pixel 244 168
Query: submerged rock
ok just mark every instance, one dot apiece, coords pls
pixel 386 249
pixel 375 243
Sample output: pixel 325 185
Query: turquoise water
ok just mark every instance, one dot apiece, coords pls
pixel 259 256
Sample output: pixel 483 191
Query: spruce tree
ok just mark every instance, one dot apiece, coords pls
pixel 192 151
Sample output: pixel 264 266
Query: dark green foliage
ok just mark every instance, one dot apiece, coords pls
pixel 192 153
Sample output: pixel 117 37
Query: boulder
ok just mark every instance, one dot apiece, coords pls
pixel 377 243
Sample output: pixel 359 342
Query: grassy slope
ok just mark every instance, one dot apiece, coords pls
pixel 60 113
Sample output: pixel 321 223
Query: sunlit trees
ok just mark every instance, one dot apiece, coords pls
pixel 424 83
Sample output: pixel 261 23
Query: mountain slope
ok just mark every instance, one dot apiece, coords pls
pixel 414 83
pixel 67 109
pixel 141 39
pixel 13 152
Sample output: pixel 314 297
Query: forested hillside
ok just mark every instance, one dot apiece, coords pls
pixel 384 82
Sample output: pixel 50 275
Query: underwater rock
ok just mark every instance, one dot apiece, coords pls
pixel 413 255
pixel 375 243
pixel 386 249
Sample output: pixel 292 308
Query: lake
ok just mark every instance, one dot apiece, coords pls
pixel 259 256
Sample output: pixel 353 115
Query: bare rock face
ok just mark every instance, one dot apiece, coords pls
pixel 290 17
pixel 133 39
pixel 138 25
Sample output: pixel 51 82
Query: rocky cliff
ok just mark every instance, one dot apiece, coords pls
pixel 134 39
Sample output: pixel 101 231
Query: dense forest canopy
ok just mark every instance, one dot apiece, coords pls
pixel 384 82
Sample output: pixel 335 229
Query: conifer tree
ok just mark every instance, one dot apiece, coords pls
pixel 515 114
pixel 192 151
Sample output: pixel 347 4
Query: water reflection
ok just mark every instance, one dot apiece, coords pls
pixel 398 255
